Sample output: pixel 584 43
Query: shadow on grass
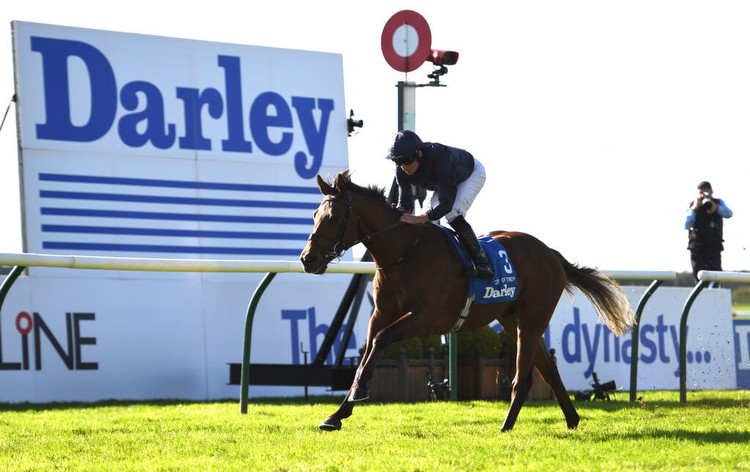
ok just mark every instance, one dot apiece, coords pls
pixel 612 405
pixel 657 402
pixel 312 400
pixel 671 434
pixel 701 437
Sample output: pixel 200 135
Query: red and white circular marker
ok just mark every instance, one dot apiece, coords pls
pixel 20 319
pixel 406 41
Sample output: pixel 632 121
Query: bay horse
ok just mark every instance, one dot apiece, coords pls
pixel 420 288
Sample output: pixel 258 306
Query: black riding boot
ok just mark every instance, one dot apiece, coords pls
pixel 471 244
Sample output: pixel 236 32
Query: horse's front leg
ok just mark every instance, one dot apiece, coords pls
pixel 333 422
pixel 408 326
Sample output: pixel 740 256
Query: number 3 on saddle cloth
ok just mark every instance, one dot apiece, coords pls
pixel 501 288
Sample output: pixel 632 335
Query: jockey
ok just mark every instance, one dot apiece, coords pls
pixel 454 176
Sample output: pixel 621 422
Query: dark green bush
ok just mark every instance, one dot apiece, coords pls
pixel 490 345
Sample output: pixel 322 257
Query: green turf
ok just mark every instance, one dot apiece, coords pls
pixel 710 432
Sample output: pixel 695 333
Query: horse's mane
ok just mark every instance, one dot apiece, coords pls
pixel 343 181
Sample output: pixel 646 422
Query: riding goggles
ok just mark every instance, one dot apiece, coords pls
pixel 405 160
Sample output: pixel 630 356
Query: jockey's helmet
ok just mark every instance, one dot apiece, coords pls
pixel 406 144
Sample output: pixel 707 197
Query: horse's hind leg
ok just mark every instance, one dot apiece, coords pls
pixel 527 347
pixel 548 370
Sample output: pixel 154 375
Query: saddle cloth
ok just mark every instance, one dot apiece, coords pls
pixel 500 289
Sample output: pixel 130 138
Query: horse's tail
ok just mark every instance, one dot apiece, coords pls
pixel 609 301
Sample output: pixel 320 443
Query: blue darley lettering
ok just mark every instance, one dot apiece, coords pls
pixel 270 119
pixel 581 340
pixel 315 330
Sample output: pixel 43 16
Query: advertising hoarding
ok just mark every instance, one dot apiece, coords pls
pixel 144 146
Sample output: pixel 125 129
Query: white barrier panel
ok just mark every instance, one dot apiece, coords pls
pixel 583 345
pixel 89 338
pixel 92 338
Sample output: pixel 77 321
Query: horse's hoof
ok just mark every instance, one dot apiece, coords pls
pixel 330 424
pixel 359 394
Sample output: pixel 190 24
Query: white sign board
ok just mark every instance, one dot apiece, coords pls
pixel 584 345
pixel 142 145
pixel 145 146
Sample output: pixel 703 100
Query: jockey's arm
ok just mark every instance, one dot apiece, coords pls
pixel 408 218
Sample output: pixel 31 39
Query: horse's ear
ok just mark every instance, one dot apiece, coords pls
pixel 325 189
pixel 342 181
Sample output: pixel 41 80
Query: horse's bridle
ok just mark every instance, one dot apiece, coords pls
pixel 338 241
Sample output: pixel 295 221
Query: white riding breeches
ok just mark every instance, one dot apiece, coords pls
pixel 466 192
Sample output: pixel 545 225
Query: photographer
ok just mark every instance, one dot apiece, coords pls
pixel 705 222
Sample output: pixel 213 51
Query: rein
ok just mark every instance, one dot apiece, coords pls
pixel 339 246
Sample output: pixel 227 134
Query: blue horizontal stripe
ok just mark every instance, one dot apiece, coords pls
pixel 95 179
pixel 147 215
pixel 171 249
pixel 184 233
pixel 176 200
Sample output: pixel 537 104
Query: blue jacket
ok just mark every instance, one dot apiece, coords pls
pixel 441 169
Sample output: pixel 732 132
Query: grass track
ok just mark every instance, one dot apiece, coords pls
pixel 710 432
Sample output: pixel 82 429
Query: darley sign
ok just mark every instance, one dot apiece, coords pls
pixel 159 146
pixel 143 102
pixel 147 146
pixel 270 117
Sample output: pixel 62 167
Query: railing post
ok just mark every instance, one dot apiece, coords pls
pixel 8 282
pixel 453 365
pixel 636 338
pixel 245 374
pixel 683 338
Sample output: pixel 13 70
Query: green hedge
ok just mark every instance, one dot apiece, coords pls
pixel 490 345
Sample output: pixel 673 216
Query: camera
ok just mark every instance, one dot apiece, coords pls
pixel 600 391
pixel 440 57
pixel 353 123
pixel 437 390
pixel 707 201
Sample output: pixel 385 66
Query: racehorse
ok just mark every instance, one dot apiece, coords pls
pixel 420 288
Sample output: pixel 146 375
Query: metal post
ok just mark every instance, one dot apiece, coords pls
pixel 4 288
pixel 347 335
pixel 8 282
pixel 407 105
pixel 245 374
pixel 636 338
pixel 683 338
pixel 453 365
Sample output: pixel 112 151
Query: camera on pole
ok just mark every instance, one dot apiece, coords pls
pixel 441 59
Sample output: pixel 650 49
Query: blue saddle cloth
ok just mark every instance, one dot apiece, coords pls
pixel 501 288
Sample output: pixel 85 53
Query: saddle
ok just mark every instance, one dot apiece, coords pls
pixel 500 289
